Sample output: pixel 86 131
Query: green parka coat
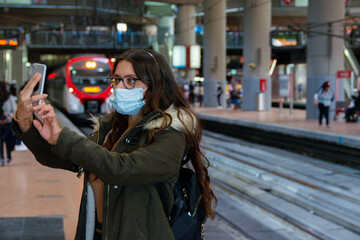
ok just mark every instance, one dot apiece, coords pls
pixel 132 208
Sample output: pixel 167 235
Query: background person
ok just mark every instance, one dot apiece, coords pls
pixel 326 96
pixel 132 149
pixel 219 92
pixel 7 110
pixel 200 95
pixel 234 97
pixel 351 111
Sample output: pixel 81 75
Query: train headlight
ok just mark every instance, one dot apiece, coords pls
pixel 92 89
pixel 90 65
pixel 71 90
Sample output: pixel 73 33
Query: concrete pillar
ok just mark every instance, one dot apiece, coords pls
pixel 257 25
pixel 185 34
pixel 325 55
pixel 214 49
pixel 8 56
pixel 166 31
pixel 167 24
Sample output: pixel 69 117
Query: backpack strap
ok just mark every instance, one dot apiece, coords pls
pixel 160 187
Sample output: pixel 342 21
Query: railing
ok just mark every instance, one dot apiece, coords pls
pixel 51 39
pixel 233 40
pixel 103 40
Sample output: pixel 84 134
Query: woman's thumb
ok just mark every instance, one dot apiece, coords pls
pixel 37 125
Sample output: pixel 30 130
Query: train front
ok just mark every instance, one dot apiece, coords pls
pixel 87 85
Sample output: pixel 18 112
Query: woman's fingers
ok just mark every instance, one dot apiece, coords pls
pixel 29 87
pixel 25 108
pixel 45 109
pixel 36 108
pixel 49 115
pixel 37 98
pixel 37 125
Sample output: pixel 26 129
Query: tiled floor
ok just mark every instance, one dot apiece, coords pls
pixel 297 119
pixel 28 189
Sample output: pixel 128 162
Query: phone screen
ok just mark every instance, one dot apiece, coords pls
pixel 39 88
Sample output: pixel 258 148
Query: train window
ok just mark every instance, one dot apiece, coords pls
pixel 84 77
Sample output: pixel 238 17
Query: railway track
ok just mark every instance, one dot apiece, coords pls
pixel 327 151
pixel 305 197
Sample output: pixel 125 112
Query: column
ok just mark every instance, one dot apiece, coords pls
pixel 325 54
pixel 256 49
pixel 166 33
pixel 214 50
pixel 185 34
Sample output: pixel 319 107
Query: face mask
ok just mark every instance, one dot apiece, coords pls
pixel 128 101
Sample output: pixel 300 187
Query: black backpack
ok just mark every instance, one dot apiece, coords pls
pixel 187 217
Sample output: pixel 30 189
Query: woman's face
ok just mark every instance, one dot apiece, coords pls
pixel 125 69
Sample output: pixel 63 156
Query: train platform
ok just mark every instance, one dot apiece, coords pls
pixel 295 125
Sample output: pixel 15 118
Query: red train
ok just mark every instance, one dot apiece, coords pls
pixel 81 86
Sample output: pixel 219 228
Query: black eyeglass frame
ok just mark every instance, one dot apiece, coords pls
pixel 119 79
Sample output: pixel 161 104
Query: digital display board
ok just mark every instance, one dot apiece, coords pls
pixel 9 38
pixel 280 39
pixel 9 42
pixel 179 56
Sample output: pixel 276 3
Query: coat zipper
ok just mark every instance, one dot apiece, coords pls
pixel 108 187
pixel 107 211
pixel 108 190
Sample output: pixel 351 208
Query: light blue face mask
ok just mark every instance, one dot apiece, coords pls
pixel 128 101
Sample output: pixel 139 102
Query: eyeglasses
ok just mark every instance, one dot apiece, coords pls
pixel 128 81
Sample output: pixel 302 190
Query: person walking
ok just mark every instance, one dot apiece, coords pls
pixel 7 110
pixel 201 94
pixel 219 92
pixel 139 145
pixel 352 112
pixel 326 96
pixel 191 94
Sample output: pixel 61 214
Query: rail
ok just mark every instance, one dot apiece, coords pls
pixel 111 40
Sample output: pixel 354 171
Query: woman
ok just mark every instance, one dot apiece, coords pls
pixel 139 145
pixel 325 98
pixel 7 110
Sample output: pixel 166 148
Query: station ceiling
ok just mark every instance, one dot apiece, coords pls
pixel 48 14
pixel 43 13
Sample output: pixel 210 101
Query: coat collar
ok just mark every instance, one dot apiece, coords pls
pixel 181 121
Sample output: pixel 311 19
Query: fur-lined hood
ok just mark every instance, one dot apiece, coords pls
pixel 184 122
pixel 181 120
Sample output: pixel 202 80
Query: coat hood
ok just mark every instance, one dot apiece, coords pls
pixel 180 120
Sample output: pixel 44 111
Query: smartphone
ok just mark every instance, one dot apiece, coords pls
pixel 39 88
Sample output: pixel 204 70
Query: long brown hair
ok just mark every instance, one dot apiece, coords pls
pixel 161 94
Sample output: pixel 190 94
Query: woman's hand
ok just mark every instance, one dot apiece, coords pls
pixel 25 106
pixel 50 129
pixel 24 113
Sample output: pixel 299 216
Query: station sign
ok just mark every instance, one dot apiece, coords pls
pixel 187 56
pixel 284 85
pixel 9 38
pixel 283 39
pixel 344 74
pixel 9 43
pixel 294 3
pixel 262 84
pixel 288 2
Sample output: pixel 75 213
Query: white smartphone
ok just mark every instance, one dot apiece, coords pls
pixel 39 88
